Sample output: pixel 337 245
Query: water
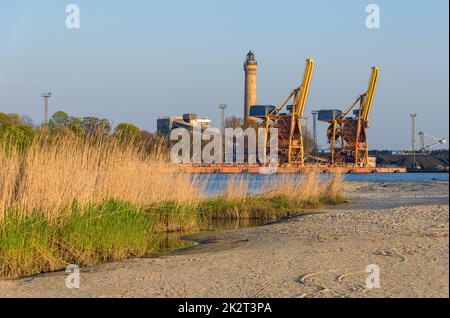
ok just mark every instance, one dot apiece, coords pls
pixel 217 183
pixel 397 177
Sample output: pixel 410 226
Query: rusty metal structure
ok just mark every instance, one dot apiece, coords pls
pixel 347 132
pixel 236 168
pixel 287 119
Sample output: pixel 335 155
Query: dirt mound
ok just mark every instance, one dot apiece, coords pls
pixel 424 162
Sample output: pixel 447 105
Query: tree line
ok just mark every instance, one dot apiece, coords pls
pixel 20 130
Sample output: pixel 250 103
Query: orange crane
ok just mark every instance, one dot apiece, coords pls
pixel 289 122
pixel 347 134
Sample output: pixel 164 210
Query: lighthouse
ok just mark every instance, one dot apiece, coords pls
pixel 250 68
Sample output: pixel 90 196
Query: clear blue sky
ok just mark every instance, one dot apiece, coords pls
pixel 132 61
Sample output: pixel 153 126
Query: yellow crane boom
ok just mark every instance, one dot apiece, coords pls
pixel 368 99
pixel 301 93
pixel 304 88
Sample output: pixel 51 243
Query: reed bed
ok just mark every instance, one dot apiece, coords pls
pixel 58 169
pixel 283 197
pixel 85 200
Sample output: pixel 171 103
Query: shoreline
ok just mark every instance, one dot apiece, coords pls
pixel 206 238
pixel 313 255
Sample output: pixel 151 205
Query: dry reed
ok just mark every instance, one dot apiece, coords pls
pixel 58 170
pixel 91 199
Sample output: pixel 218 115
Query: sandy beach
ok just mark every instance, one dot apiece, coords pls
pixel 401 227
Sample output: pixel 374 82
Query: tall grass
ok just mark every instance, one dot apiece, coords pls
pixel 92 199
pixel 58 169
pixel 282 197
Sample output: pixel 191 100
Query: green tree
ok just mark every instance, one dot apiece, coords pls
pixel 10 119
pixel 76 125
pixel 4 119
pixel 94 125
pixel 59 120
pixel 126 130
pixel 14 131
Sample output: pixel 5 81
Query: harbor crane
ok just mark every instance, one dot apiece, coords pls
pixel 287 119
pixel 347 131
pixel 436 141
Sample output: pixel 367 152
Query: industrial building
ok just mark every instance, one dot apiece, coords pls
pixel 188 121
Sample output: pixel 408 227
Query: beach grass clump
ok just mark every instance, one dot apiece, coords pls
pixel 104 232
pixel 26 246
pixel 109 231
pixel 173 216
pixel 334 191
pixel 259 207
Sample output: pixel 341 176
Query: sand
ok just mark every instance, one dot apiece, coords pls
pixel 400 227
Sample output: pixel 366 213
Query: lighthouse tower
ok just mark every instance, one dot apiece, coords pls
pixel 250 68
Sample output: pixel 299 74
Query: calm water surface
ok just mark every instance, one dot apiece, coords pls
pixel 217 183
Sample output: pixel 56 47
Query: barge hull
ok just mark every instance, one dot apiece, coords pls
pixel 256 169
